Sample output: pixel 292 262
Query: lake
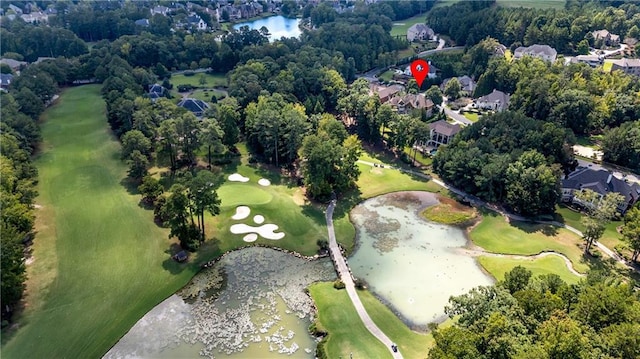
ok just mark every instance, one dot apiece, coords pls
pixel 412 264
pixel 251 304
pixel 279 26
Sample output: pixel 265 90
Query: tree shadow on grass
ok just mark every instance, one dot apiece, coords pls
pixel 529 227
pixel 130 185
pixel 346 202
pixel 170 264
pixel 315 212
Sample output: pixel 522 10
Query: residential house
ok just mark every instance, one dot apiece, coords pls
pixel 432 71
pixel 5 81
pixel 441 133
pixel 15 9
pixel 607 38
pixel 15 65
pixel 385 93
pixel 162 10
pixel 35 17
pixel 420 32
pixel 43 58
pixel 198 107
pixel 156 91
pixel 142 22
pixel 496 101
pixel 544 52
pixel 466 83
pixel 196 22
pixel 591 60
pixel 601 182
pixel 407 103
pixel 628 66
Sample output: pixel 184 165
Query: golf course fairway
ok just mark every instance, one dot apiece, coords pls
pixel 100 263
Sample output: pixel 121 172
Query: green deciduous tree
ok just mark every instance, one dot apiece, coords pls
pixel 434 94
pixel 452 89
pixel 138 164
pixel 631 231
pixel 532 186
pixel 150 189
pixel 135 140
pixel 600 211
pixel 211 136
pixel 203 197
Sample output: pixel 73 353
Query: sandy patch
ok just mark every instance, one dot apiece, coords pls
pixel 251 237
pixel 264 182
pixel 258 219
pixel 242 212
pixel 236 177
pixel 266 230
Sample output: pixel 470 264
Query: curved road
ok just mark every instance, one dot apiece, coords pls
pixel 347 279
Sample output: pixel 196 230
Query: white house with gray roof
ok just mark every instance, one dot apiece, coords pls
pixel 544 52
pixel 495 101
pixel 420 32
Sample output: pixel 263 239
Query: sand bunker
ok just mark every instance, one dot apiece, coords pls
pixel 258 219
pixel 236 177
pixel 264 182
pixel 242 212
pixel 251 237
pixel 266 230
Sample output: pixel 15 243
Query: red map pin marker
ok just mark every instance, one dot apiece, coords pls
pixel 419 70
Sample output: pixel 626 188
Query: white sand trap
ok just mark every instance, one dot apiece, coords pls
pixel 242 212
pixel 236 177
pixel 264 182
pixel 251 237
pixel 258 219
pixel 266 230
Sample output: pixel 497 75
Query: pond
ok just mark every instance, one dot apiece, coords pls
pixel 412 264
pixel 279 26
pixel 250 304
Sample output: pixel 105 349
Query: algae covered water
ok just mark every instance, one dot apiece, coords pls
pixel 412 264
pixel 251 304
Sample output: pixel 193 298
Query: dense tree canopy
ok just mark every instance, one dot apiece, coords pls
pixel 524 317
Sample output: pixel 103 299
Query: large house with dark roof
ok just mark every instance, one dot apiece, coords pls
pixel 198 107
pixel 420 32
pixel 5 81
pixel 601 182
pixel 409 102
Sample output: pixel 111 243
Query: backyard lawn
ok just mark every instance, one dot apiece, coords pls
pixel 496 235
pixel 472 116
pixel 100 263
pixel 497 267
pixel 215 80
pixel 400 27
pixel 535 4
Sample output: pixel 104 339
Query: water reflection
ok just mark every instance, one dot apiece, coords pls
pixel 250 304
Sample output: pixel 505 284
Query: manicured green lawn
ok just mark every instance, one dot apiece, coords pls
pixel 472 116
pixel 347 334
pixel 497 267
pixel 610 238
pixel 535 4
pixel 205 95
pixel 495 235
pixel 420 157
pixel 100 263
pixel 400 27
pixel 217 80
pixel 411 344
pixel 443 3
pixel 387 76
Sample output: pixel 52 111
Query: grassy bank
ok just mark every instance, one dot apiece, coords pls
pixel 527 239
pixel 400 27
pixel 211 80
pixel 497 267
pixel 449 211
pixel 100 262
pixel 348 336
